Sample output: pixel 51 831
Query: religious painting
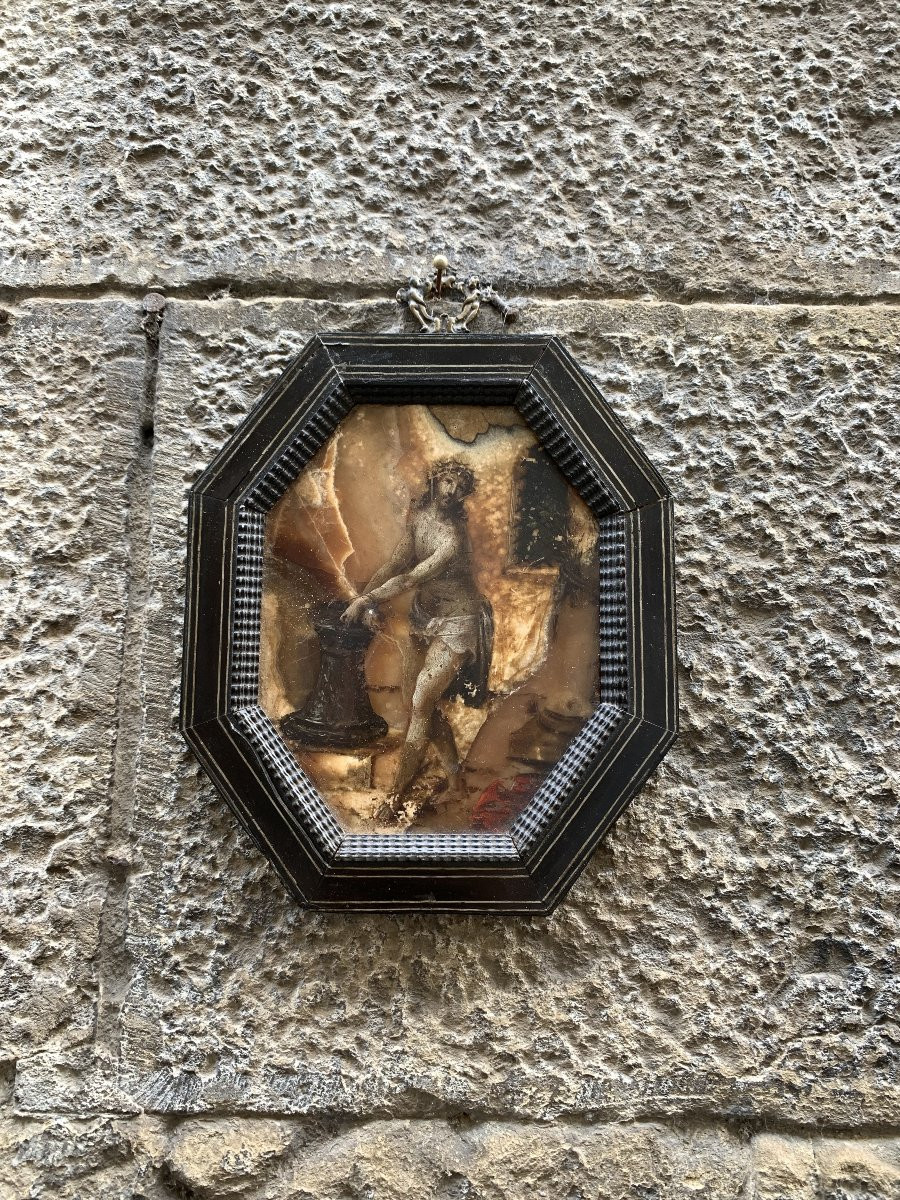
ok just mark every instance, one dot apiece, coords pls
pixel 429 636
pixel 429 640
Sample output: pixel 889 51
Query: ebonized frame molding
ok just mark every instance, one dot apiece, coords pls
pixel 530 869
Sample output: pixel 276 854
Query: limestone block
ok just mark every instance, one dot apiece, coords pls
pixel 732 935
pixel 71 387
pixel 508 1161
pixel 784 1168
pixel 627 149
pixel 240 1158
pixel 217 1160
pixel 794 1168
pixel 865 1168
pixel 97 1158
pixel 245 1159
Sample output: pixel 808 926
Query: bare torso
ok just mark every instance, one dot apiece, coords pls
pixel 452 592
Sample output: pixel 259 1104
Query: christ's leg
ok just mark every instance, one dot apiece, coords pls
pixel 445 743
pixel 414 652
pixel 438 670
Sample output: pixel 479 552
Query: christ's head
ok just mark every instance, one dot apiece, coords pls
pixel 449 482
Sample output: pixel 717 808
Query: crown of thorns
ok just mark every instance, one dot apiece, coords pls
pixel 464 476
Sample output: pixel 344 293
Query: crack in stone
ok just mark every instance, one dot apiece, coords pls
pixel 113 953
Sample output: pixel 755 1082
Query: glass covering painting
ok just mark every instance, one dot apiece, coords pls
pixel 429 632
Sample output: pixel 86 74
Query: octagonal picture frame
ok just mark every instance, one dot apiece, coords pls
pixel 529 868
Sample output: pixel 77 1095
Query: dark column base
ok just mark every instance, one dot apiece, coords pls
pixel 337 712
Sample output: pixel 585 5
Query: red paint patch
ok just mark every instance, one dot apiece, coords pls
pixel 500 804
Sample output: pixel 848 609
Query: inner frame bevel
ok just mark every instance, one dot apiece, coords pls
pixel 442 846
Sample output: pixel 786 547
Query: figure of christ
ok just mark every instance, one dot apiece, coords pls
pixel 451 623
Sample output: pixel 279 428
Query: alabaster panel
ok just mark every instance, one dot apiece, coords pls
pixel 429 625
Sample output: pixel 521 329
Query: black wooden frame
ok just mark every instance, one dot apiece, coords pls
pixel 530 869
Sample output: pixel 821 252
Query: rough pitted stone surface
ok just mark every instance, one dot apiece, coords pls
pixel 784 1168
pixel 846 1169
pixel 240 1159
pixel 729 952
pixel 636 148
pixel 71 382
pixel 212 1159
pixel 719 989
pixel 790 1168
pixel 94 1159
pixel 497 1161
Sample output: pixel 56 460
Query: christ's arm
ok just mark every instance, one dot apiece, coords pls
pixel 426 569
pixel 400 558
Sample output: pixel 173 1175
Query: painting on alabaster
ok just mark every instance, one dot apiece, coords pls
pixel 430 638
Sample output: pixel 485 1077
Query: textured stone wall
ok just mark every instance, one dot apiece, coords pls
pixel 703 202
